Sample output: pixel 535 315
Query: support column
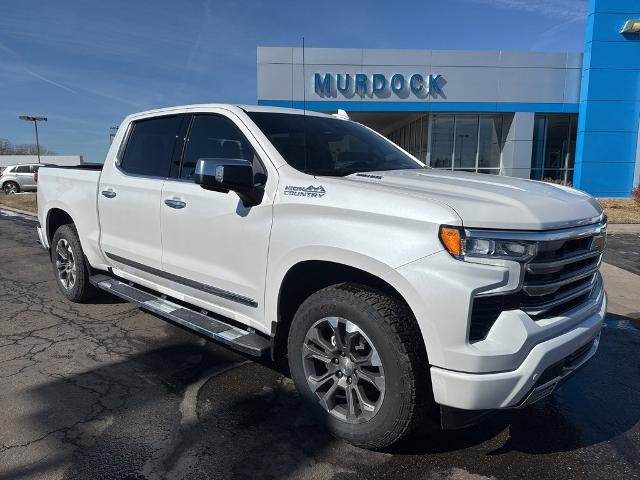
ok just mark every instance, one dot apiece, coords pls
pixel 518 143
pixel 607 144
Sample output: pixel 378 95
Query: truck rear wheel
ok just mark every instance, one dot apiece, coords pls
pixel 357 358
pixel 69 265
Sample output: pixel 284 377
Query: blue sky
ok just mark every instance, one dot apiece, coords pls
pixel 87 64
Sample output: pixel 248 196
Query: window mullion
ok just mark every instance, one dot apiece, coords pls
pixel 453 143
pixel 477 143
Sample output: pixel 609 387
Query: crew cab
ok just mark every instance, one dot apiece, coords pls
pixel 405 298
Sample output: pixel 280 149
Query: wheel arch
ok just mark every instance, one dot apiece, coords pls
pixel 56 217
pixel 306 277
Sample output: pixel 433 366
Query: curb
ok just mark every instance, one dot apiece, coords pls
pixel 17 210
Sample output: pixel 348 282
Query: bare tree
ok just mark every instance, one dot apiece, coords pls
pixel 8 148
pixel 5 147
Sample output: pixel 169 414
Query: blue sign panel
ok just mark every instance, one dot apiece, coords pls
pixel 378 84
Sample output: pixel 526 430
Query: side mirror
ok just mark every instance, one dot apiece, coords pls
pixel 225 174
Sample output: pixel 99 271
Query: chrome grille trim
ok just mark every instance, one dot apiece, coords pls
pixel 570 263
pixel 594 288
pixel 556 265
pixel 561 277
pixel 539 289
pixel 542 236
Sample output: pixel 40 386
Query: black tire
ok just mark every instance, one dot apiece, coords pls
pixel 407 402
pixel 81 290
pixel 11 187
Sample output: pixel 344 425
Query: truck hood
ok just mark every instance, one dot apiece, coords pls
pixel 492 201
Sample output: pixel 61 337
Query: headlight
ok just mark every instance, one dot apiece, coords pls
pixel 461 246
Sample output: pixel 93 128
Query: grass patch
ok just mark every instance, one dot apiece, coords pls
pixel 621 210
pixel 21 201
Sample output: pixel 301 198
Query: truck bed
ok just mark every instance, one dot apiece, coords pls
pixel 74 191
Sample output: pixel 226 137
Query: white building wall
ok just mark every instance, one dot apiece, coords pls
pixel 64 160
pixel 489 78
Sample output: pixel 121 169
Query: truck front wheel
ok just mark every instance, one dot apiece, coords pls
pixel 69 265
pixel 356 357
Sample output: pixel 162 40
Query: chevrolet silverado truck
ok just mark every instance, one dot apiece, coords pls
pixel 405 298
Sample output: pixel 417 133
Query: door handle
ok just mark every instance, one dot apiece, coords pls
pixel 173 203
pixel 108 193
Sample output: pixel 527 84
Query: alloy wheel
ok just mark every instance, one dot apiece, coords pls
pixel 343 369
pixel 65 264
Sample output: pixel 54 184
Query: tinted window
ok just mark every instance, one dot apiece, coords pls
pixel 329 146
pixel 22 169
pixel 212 136
pixel 150 146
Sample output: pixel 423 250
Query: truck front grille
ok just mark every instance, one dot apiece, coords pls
pixel 562 276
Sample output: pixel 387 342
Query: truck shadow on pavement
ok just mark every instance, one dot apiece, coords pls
pixel 197 410
pixel 600 402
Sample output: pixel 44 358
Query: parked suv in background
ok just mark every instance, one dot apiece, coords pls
pixel 19 178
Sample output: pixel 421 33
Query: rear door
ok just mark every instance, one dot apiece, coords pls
pixel 214 247
pixel 24 176
pixel 129 196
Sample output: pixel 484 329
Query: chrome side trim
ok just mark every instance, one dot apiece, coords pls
pixel 234 297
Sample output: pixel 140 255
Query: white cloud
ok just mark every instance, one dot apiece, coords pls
pixel 549 37
pixel 49 81
pixel 6 49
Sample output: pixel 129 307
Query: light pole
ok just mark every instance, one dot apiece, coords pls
pixel 112 133
pixel 35 120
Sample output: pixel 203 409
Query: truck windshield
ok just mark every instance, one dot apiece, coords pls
pixel 332 147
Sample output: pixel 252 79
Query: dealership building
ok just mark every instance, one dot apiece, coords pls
pixel 570 117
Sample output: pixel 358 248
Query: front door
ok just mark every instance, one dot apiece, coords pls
pixel 129 196
pixel 213 246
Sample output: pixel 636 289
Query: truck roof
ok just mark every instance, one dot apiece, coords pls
pixel 228 106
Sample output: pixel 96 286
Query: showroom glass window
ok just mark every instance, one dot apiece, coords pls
pixel 554 147
pixel 473 142
pixel 412 137
pixel 442 135
pixel 470 142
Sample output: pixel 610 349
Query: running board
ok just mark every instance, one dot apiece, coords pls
pixel 234 337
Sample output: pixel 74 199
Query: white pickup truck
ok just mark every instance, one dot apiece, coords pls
pixel 404 297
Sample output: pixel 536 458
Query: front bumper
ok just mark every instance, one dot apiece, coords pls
pixel 522 386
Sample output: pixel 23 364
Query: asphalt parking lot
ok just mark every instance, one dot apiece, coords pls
pixel 105 390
